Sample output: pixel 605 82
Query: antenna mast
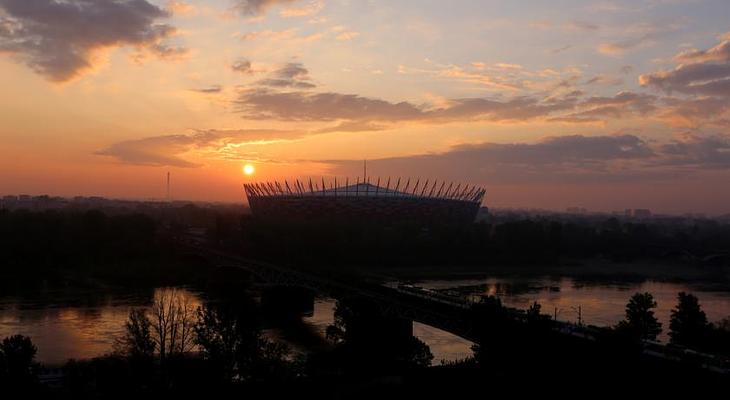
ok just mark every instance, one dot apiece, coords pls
pixel 364 170
pixel 168 186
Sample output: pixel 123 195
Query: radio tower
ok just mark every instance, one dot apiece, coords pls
pixel 168 187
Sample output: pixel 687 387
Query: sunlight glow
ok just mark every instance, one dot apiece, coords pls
pixel 248 169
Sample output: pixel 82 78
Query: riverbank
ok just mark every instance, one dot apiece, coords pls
pixel 586 270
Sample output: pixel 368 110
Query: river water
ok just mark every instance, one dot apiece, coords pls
pixel 84 324
pixel 600 303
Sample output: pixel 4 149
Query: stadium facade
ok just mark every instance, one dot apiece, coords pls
pixel 400 201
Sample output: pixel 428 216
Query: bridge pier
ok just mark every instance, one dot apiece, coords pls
pixel 288 301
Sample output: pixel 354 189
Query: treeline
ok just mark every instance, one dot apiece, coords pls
pixel 78 246
pixel 515 241
pixel 134 247
pixel 614 358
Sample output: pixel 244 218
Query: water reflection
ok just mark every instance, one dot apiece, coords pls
pixel 82 325
pixel 65 325
pixel 600 303
pixel 71 325
pixel 444 345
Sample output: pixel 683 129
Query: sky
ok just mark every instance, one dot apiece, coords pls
pixel 605 105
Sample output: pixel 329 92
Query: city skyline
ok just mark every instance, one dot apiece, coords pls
pixel 606 105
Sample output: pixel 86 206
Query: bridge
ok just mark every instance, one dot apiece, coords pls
pixel 450 314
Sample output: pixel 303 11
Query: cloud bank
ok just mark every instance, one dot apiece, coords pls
pixel 60 39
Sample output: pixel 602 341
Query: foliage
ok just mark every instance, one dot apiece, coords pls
pixel 17 365
pixel 688 325
pixel 228 336
pixel 640 322
pixel 167 329
pixel 137 341
pixel 368 339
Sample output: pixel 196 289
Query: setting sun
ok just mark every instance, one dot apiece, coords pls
pixel 248 169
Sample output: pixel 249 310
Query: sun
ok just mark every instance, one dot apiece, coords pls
pixel 248 169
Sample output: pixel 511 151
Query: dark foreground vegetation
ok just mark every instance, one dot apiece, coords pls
pixel 175 348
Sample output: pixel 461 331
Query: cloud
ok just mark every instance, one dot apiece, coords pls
pixel 258 7
pixel 695 112
pixel 61 40
pixel 570 159
pixel 642 103
pixel 310 9
pixel 640 36
pixel 153 151
pixel 344 34
pixel 699 151
pixel 209 90
pixel 171 150
pixel 561 49
pixel 569 149
pixel 302 106
pixel 290 75
pixel 702 81
pixel 288 35
pixel 286 83
pixel 500 76
pixel 621 47
pixel 604 80
pixel 263 103
pixel 353 126
pixel 556 159
pixel 580 26
pixel 180 7
pixel 242 66
pixel 711 79
pixel 569 26
pixel 600 108
pixel 721 53
pixel 703 77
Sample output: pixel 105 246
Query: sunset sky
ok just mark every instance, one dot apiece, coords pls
pixel 600 104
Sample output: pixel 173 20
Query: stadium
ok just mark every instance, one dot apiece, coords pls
pixel 395 202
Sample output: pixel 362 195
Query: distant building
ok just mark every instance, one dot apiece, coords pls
pixel 642 213
pixel 576 210
pixel 420 203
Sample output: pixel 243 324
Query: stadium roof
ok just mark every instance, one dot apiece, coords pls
pixel 366 189
pixel 393 189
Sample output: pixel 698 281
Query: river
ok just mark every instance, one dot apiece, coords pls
pixel 84 324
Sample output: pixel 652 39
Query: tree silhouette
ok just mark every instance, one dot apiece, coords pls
pixel 137 341
pixel 369 339
pixel 688 325
pixel 228 337
pixel 17 366
pixel 640 321
pixel 172 322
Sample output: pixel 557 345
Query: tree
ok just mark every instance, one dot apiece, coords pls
pixel 688 325
pixel 17 365
pixel 368 338
pixel 137 341
pixel 723 324
pixel 172 322
pixel 228 336
pixel 640 320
